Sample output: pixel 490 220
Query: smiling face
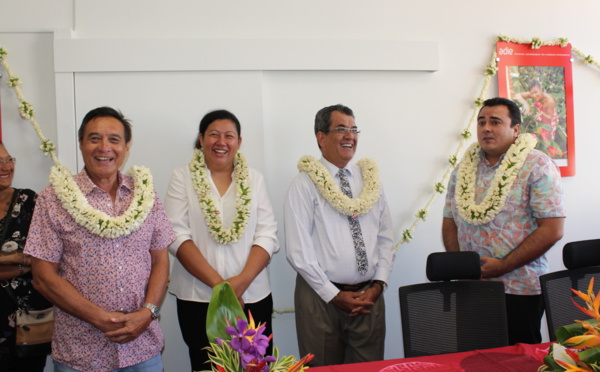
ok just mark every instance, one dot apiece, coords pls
pixel 337 148
pixel 103 148
pixel 494 131
pixel 536 93
pixel 7 170
pixel 220 142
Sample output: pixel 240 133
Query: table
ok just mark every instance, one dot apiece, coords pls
pixel 516 358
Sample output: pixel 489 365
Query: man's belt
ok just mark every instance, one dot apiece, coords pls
pixel 351 287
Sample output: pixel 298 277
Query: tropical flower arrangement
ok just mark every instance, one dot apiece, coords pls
pixel 578 347
pixel 239 345
pixel 354 207
pixel 243 199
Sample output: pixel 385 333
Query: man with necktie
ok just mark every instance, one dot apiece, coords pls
pixel 339 239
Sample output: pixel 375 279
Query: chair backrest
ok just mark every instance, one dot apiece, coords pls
pixel 583 260
pixel 453 316
pixel 452 266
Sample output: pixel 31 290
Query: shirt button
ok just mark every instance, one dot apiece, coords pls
pixel 121 309
pixel 120 267
pixel 121 289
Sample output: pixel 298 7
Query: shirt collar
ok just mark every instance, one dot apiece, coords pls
pixel 87 185
pixel 486 162
pixel 333 170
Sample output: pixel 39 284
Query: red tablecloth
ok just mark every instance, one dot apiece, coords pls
pixel 517 358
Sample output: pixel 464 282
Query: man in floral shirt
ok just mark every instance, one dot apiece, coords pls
pixel 511 227
pixel 98 241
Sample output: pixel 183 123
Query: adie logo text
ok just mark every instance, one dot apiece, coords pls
pixel 505 51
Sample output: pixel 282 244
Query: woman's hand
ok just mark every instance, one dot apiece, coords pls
pixel 17 258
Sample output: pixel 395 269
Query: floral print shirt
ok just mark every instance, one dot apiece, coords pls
pixel 536 193
pixel 111 273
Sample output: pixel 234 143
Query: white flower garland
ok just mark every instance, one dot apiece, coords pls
pixel 211 213
pixel 98 222
pixel 495 196
pixel 355 207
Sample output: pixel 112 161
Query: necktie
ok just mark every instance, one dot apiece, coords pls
pixel 359 244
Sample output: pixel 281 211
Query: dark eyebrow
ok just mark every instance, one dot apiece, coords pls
pixel 491 117
pixel 112 135
pixel 343 126
pixel 218 131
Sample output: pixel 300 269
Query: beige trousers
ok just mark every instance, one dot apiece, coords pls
pixel 332 335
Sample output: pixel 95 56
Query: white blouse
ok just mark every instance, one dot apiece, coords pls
pixel 183 208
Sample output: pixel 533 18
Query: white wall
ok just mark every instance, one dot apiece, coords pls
pixel 410 119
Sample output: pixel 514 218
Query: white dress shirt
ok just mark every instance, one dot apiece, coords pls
pixel 319 242
pixel 183 208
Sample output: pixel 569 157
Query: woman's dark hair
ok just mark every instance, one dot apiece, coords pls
pixel 211 117
pixel 534 83
pixel 102 112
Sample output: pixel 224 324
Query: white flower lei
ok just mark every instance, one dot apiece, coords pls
pixel 495 196
pixel 354 207
pixel 98 222
pixel 211 213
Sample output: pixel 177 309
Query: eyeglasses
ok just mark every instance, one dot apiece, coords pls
pixel 343 131
pixel 9 161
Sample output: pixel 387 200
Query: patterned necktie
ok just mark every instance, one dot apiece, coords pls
pixel 359 244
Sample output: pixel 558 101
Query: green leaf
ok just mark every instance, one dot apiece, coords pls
pixel 576 329
pixel 590 356
pixel 223 305
pixel 551 363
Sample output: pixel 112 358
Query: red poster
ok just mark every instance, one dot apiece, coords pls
pixel 541 82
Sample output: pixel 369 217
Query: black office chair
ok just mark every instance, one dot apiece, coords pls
pixel 582 260
pixel 448 315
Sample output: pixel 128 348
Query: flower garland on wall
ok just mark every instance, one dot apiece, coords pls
pixel 27 112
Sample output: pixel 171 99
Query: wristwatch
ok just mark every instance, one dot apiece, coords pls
pixel 154 310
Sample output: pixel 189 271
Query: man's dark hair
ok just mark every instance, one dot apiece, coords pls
pixel 102 112
pixel 513 109
pixel 211 117
pixel 323 117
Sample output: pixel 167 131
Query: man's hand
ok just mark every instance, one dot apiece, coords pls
pixel 354 303
pixel 371 295
pixel 492 267
pixel 132 325
pixel 105 321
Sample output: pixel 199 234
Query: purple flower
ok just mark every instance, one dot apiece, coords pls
pixel 240 340
pixel 259 344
